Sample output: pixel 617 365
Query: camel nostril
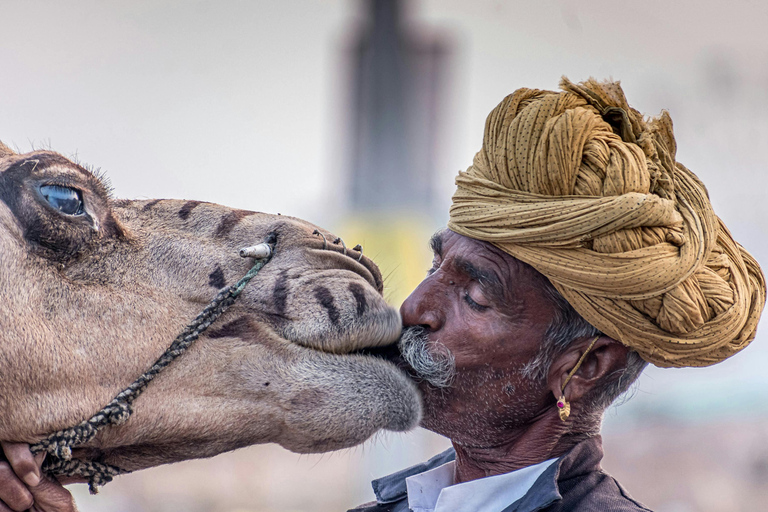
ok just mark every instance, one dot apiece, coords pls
pixel 271 239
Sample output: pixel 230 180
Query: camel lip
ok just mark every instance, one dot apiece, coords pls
pixel 389 352
pixel 368 334
pixel 133 457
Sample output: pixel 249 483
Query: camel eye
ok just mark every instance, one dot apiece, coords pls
pixel 68 201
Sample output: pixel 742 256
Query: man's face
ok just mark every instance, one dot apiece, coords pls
pixel 488 310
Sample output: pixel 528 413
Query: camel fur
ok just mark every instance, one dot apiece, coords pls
pixel 88 301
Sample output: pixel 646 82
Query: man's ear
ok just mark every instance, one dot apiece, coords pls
pixel 606 356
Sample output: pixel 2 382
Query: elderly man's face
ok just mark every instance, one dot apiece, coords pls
pixel 488 310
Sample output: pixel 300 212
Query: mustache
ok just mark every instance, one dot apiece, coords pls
pixel 430 360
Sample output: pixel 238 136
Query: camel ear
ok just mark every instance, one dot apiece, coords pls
pixel 5 150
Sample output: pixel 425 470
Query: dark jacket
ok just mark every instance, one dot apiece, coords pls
pixel 575 482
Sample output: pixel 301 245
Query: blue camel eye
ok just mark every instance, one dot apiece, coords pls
pixel 68 201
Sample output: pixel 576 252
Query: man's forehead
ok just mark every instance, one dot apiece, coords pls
pixel 485 254
pixel 474 257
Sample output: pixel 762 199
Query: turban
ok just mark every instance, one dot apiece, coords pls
pixel 582 188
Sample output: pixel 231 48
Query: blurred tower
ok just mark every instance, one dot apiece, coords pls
pixel 399 79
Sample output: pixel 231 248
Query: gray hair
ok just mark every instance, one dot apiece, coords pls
pixel 566 327
pixel 430 360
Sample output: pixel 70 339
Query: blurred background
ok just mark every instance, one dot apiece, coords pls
pixel 357 115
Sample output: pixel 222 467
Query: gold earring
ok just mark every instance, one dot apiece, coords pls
pixel 563 408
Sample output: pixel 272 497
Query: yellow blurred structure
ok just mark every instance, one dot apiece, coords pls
pixel 398 243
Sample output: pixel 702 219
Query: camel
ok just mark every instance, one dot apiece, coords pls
pixel 93 289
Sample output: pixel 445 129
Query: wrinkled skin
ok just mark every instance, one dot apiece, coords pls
pixel 485 308
pixel 489 311
pixel 90 300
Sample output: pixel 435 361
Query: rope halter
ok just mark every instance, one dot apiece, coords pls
pixel 59 445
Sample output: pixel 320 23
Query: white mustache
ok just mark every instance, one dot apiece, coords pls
pixel 430 360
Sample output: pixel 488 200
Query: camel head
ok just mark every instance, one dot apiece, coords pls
pixel 93 289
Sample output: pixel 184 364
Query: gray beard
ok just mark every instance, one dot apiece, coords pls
pixel 430 360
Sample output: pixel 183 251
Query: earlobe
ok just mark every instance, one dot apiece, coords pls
pixel 563 407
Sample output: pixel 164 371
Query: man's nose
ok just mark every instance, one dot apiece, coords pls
pixel 422 308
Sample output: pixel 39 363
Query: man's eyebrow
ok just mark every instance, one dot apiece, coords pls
pixel 488 279
pixel 436 242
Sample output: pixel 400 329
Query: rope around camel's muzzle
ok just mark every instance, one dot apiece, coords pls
pixel 59 461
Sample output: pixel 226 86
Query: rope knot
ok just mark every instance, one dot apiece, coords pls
pixel 62 450
pixel 118 413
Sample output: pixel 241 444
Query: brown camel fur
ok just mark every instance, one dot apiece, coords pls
pixel 89 299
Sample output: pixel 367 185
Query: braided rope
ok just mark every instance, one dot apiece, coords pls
pixel 59 444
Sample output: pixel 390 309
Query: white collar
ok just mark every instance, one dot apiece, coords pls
pixel 434 490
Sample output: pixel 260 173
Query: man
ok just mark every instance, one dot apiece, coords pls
pixel 513 343
pixel 577 251
pixel 517 368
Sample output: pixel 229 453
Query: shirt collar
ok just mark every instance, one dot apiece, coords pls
pixel 542 493
pixel 392 487
pixel 434 490
pixel 583 458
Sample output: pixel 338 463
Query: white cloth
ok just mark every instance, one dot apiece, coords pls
pixel 434 490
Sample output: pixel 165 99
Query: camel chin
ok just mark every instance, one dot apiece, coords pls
pixel 93 289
